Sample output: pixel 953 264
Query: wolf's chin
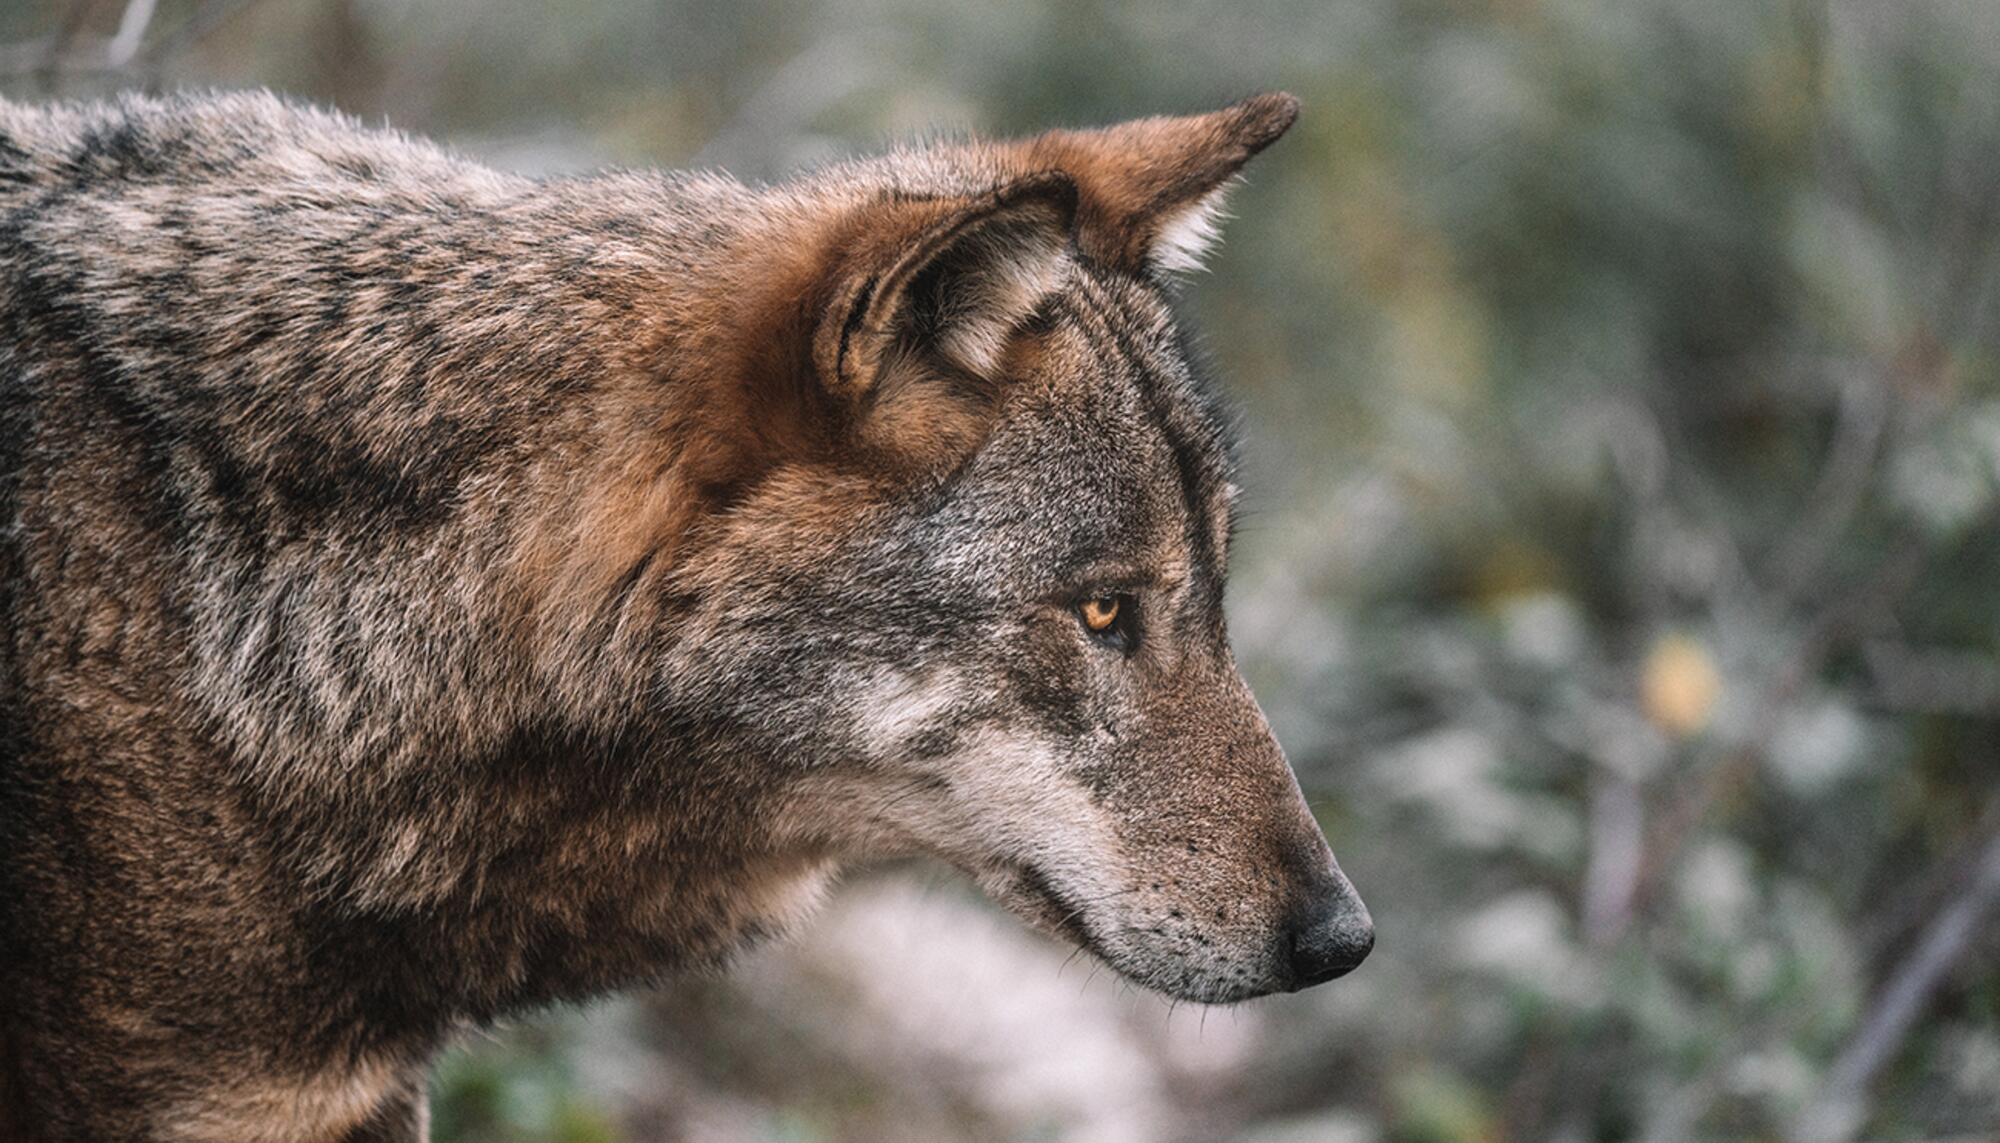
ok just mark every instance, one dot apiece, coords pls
pixel 1037 899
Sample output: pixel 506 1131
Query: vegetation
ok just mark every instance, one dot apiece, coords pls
pixel 1622 421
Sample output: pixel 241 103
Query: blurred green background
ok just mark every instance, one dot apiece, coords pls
pixel 1622 430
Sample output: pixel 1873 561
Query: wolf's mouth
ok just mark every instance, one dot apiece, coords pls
pixel 1051 907
pixel 1034 896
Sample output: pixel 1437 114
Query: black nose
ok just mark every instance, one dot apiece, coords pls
pixel 1330 938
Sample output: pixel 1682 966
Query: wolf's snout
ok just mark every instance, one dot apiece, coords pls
pixel 1329 937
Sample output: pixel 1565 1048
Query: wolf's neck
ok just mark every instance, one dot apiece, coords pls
pixel 462 505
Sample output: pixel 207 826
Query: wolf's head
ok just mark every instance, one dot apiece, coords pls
pixel 973 527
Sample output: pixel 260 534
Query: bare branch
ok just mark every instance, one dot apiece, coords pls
pixel 124 43
pixel 1839 1109
pixel 51 58
pixel 1843 482
pixel 1617 843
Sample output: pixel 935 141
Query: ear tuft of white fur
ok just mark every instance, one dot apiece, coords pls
pixel 1011 277
pixel 1190 234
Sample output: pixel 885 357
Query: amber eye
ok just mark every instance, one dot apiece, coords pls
pixel 1100 613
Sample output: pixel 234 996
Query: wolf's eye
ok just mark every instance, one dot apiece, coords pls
pixel 1111 619
pixel 1099 614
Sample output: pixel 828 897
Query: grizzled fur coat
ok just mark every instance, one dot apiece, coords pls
pixel 427 592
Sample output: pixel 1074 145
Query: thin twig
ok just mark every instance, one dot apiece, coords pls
pixel 1617 834
pixel 51 58
pixel 1843 484
pixel 1839 1109
pixel 1905 908
pixel 125 42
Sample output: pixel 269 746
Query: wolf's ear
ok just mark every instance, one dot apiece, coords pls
pixel 944 281
pixel 1152 188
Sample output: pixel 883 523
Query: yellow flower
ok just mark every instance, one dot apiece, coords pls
pixel 1680 685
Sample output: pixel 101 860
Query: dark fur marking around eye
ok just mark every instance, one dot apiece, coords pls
pixel 1121 628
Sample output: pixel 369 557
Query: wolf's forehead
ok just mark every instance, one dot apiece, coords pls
pixel 1110 463
pixel 1128 362
pixel 1132 329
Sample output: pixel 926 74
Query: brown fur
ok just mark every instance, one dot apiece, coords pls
pixel 431 593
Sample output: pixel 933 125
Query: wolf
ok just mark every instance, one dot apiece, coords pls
pixel 430 592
